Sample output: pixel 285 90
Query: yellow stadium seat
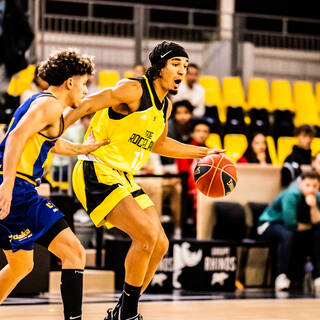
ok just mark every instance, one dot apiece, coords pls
pixel 21 82
pixel 213 94
pixel 232 91
pixel 281 95
pixel 315 146
pixel 285 145
pixel 128 74
pixel 318 94
pixel 272 150
pixel 108 78
pixel 258 94
pixel 305 104
pixel 235 145
pixel 214 141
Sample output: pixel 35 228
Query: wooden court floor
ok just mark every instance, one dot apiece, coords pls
pixel 260 309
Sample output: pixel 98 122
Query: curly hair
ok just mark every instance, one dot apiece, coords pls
pixel 153 72
pixel 64 64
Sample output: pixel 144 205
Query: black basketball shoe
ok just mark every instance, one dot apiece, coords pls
pixel 111 315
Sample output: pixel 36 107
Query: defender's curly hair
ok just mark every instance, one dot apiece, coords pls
pixel 64 64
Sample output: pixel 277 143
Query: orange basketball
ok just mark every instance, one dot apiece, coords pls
pixel 215 175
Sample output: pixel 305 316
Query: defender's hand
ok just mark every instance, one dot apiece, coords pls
pixel 91 144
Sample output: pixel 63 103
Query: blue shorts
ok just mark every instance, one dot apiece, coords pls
pixel 30 217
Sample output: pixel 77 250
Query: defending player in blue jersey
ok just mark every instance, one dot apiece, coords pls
pixel 25 217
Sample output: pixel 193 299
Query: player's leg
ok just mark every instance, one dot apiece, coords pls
pixel 63 243
pixel 128 216
pixel 20 264
pixel 160 248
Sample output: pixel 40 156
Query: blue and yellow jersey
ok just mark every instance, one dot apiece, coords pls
pixel 131 136
pixel 35 151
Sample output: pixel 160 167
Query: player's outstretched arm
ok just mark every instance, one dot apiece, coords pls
pixel 125 91
pixel 67 148
pixel 43 112
pixel 168 147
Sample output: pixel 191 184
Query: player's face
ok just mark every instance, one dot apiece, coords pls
pixel 200 133
pixel 173 73
pixel 309 186
pixel 78 89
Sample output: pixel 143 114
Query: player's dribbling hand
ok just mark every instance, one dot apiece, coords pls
pixel 215 151
pixel 5 201
pixel 91 144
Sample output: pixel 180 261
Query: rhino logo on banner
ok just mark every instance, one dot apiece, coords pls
pixel 183 257
pixel 219 277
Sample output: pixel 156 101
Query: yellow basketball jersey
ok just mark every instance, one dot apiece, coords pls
pixel 131 136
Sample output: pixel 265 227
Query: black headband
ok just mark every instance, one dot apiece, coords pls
pixel 177 51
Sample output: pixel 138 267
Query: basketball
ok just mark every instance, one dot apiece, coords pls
pixel 215 175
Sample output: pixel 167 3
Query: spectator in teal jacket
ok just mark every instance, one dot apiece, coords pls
pixel 297 209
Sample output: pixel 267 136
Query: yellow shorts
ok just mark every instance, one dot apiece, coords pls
pixel 100 188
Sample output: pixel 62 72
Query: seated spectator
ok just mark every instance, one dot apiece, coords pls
pixel 179 128
pixel 191 90
pixel 37 85
pixel 295 210
pixel 138 70
pixel 200 133
pixel 301 154
pixel 257 150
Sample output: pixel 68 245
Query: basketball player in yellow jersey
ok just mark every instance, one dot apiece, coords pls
pixel 134 118
pixel 25 217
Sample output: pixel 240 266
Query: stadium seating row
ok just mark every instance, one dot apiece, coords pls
pixel 236 144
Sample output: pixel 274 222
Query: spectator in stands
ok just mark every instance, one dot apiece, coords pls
pixel 179 128
pixel 138 70
pixel 15 38
pixel 257 150
pixel 200 133
pixel 180 124
pixel 301 154
pixel 37 85
pixel 192 91
pixel 295 210
pixel 92 84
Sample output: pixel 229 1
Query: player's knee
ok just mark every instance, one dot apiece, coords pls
pixel 75 254
pixel 148 241
pixel 162 245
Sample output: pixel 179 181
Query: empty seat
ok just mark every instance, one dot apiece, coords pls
pixel 318 94
pixel 213 94
pixel 235 145
pixel 108 78
pixel 285 145
pixel 305 104
pixel 259 121
pixel 272 150
pixel 315 146
pixel 214 141
pixel 211 112
pixel 283 123
pixel 229 221
pixel 258 94
pixel 281 95
pixel 255 208
pixel 232 92
pixel 235 120
pixel 21 82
